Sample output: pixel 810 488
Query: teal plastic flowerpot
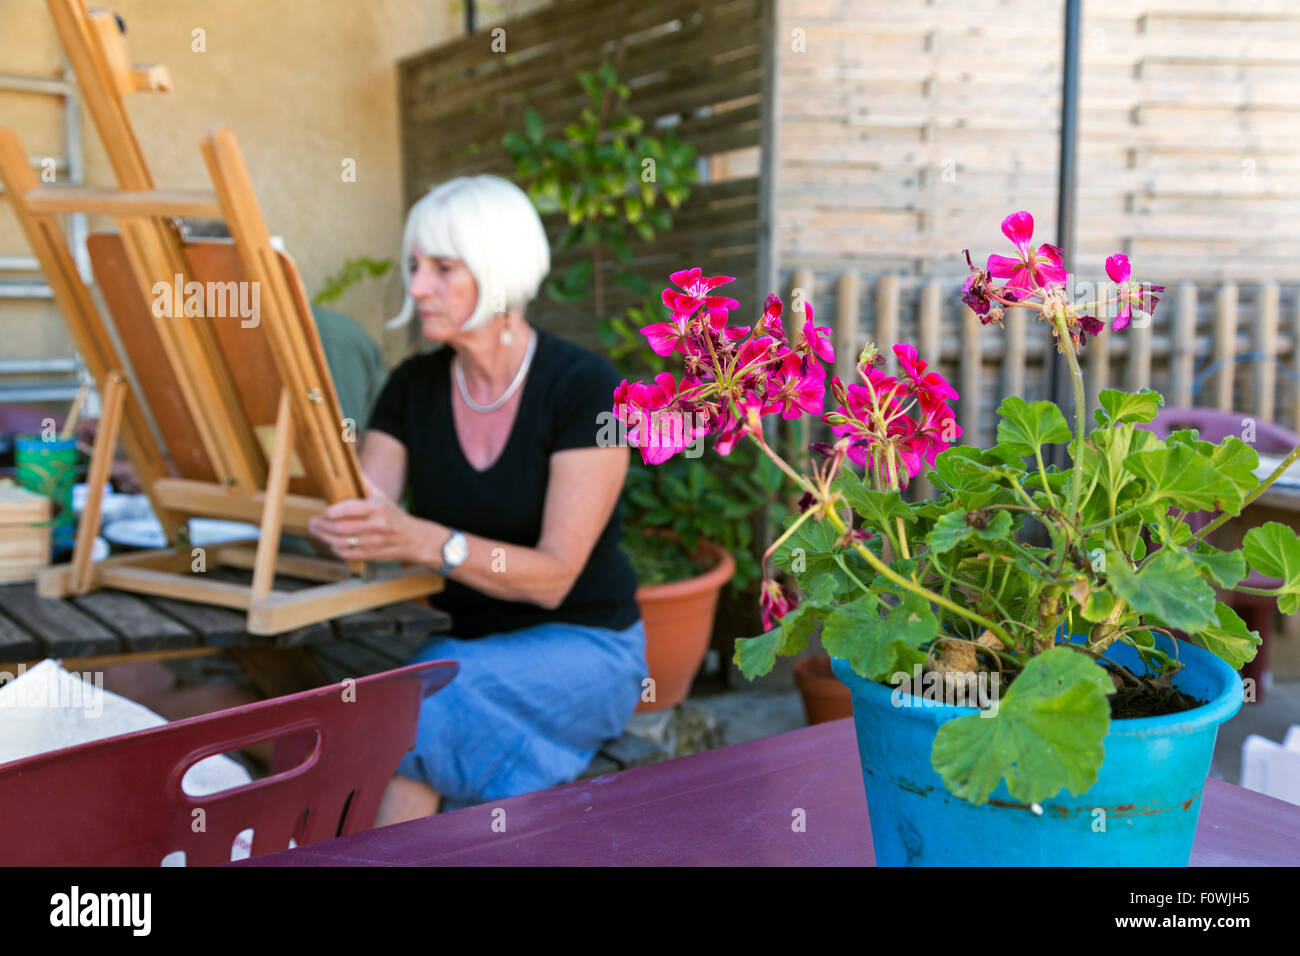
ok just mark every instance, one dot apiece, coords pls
pixel 1142 811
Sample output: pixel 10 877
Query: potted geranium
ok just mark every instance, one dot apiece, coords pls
pixel 689 524
pixel 1099 665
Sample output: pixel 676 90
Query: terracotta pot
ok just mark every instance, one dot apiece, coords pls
pixel 824 696
pixel 678 620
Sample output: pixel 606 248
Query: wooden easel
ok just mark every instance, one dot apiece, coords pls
pixel 249 414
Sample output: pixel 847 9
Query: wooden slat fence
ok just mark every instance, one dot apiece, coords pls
pixel 694 66
pixel 909 130
pixel 1228 345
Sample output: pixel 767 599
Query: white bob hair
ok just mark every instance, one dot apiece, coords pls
pixel 488 223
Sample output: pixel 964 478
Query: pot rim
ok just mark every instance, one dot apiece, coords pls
pixel 722 571
pixel 1218 709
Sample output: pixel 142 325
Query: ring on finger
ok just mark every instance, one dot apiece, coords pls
pixel 352 541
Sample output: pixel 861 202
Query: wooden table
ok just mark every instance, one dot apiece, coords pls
pixel 104 628
pixel 733 807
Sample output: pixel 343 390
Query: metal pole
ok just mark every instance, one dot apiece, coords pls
pixel 1059 386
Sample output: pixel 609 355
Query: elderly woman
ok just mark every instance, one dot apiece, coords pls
pixel 512 500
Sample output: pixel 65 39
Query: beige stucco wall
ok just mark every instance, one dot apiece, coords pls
pixel 305 84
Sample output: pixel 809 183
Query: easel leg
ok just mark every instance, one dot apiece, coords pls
pixel 277 485
pixel 101 461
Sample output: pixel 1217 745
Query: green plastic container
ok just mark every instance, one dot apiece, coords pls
pixel 50 468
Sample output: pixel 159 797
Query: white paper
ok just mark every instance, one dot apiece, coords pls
pixel 47 708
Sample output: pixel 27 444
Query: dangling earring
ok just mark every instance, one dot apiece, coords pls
pixel 506 335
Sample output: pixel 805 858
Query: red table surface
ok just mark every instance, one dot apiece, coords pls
pixel 735 807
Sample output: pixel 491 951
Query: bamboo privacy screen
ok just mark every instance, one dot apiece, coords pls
pixel 1221 345
pixel 697 67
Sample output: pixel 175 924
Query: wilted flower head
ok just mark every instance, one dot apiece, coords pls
pixel 775 602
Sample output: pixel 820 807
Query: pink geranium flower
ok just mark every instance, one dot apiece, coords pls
pixel 696 288
pixel 728 333
pixel 771 321
pixel 665 338
pixel 669 421
pixel 798 392
pixel 915 369
pixel 817 339
pixel 930 437
pixel 1036 268
pixel 1117 267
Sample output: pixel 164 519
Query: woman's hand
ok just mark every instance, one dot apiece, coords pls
pixel 371 529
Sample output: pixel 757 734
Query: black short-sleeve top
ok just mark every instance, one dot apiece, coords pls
pixel 567 395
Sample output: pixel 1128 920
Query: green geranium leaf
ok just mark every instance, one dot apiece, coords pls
pixel 878 646
pixel 1047 734
pixel 1103 455
pixel 1057 480
pixel 959 468
pixel 1237 461
pixel 1273 550
pixel 1025 427
pixel 1097 606
pixel 1167 530
pixel 1229 638
pixel 1190 438
pixel 1119 407
pixel 1225 568
pixel 903 567
pixel 853 632
pixel 1182 477
pixel 877 508
pixel 976 483
pixel 1003 456
pixel 756 655
pixel 810 552
pixel 956 526
pixel 1169 587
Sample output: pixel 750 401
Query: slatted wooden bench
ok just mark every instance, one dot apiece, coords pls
pixel 104 628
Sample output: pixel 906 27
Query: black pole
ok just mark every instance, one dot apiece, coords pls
pixel 1059 386
pixel 469 16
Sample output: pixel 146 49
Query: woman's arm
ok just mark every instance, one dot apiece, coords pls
pixel 584 486
pixel 383 461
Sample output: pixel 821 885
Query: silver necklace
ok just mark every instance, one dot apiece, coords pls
pixel 510 389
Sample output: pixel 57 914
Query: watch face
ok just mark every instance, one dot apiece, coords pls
pixel 456 550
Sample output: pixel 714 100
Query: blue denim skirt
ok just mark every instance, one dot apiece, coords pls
pixel 528 710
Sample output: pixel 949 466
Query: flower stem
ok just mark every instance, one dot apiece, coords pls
pixel 1038 454
pixel 894 576
pixel 871 559
pixel 1262 487
pixel 786 535
pixel 1080 411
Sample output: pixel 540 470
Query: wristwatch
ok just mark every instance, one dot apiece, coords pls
pixel 454 552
